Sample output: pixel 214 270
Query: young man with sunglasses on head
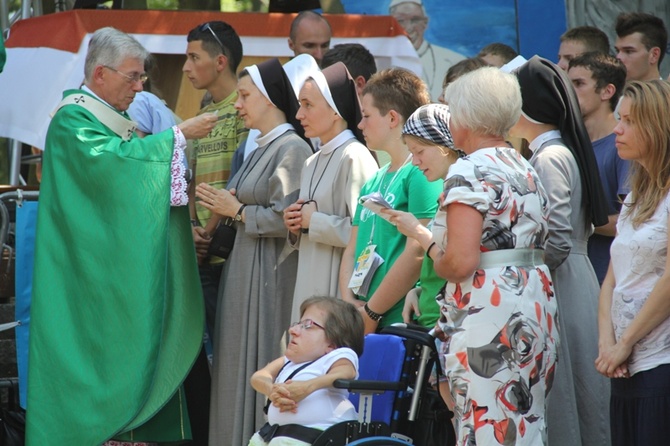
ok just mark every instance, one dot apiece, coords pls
pixel 213 54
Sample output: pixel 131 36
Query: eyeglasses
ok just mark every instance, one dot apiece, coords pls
pixel 306 324
pixel 137 77
pixel 205 26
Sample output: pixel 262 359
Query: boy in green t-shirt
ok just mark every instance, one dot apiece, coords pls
pixel 389 98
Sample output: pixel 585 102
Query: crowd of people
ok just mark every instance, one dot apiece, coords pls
pixel 504 192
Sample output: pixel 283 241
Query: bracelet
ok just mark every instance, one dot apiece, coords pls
pixel 194 222
pixel 429 248
pixel 371 314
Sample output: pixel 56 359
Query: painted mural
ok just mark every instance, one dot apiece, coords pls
pixel 445 32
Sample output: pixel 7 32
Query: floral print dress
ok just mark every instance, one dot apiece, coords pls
pixel 501 322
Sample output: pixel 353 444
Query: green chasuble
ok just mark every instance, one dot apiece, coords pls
pixel 117 312
pixel 3 53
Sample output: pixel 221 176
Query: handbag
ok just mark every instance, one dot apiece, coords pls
pixel 223 239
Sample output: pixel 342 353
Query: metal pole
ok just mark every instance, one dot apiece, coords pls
pixel 15 162
pixel 37 8
pixel 25 8
pixel 4 15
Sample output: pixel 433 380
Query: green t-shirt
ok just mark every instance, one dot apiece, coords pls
pixel 430 284
pixel 406 190
pixel 214 153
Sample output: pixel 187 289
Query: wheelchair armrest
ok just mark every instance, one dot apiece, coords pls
pixel 413 332
pixel 359 385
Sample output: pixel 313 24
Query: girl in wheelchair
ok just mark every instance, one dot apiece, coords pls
pixel 325 346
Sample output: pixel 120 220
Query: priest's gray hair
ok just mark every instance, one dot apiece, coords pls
pixel 110 47
pixel 485 101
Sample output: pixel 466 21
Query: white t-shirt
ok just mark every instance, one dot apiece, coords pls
pixel 638 261
pixel 323 408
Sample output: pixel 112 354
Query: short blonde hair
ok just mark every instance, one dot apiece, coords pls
pixel 485 101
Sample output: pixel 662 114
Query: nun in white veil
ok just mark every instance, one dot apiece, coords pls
pixel 319 222
pixel 256 287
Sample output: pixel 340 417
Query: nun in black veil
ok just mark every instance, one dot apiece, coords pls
pixel 562 155
pixel 256 286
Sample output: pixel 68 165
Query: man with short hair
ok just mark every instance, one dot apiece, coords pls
pixel 359 62
pixel 599 80
pixel 579 40
pixel 116 313
pixel 435 60
pixel 641 43
pixel 310 34
pixel 497 54
pixel 213 54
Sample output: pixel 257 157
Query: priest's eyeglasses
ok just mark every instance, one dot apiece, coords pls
pixel 136 77
pixel 306 324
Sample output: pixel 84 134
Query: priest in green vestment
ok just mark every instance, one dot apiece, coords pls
pixel 117 312
pixel 3 53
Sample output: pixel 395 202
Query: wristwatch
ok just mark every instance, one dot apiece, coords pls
pixel 238 216
pixel 371 314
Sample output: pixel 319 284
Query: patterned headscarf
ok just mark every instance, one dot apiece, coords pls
pixel 430 122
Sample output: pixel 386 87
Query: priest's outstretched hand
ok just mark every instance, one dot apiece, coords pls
pixel 199 126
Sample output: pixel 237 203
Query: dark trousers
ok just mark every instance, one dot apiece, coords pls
pixel 197 387
pixel 198 383
pixel 640 408
pixel 210 277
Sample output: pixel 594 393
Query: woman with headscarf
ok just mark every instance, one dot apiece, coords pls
pixel 497 307
pixel 257 286
pixel 320 221
pixel 429 141
pixel 563 157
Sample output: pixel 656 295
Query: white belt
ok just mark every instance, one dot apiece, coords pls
pixel 511 257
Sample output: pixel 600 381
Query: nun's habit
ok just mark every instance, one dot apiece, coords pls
pixel 297 70
pixel 333 178
pixel 578 404
pixel 256 290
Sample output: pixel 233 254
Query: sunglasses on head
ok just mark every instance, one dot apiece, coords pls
pixel 205 26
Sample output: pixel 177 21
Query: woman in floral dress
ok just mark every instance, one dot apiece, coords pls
pixel 497 309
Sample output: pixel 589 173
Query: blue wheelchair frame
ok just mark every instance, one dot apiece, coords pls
pixel 394 371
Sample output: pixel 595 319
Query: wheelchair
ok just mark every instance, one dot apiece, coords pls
pixel 396 404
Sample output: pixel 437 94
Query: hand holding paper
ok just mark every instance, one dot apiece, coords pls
pixel 375 202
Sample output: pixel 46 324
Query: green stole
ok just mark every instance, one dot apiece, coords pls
pixel 117 312
pixel 3 53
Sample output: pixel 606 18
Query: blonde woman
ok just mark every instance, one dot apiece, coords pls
pixel 634 313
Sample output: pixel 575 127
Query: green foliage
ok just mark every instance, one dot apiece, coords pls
pixel 226 5
pixel 161 4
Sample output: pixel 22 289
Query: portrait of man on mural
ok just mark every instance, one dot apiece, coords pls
pixel 435 60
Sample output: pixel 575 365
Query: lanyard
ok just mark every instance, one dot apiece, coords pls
pixel 310 191
pixel 295 372
pixel 379 189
